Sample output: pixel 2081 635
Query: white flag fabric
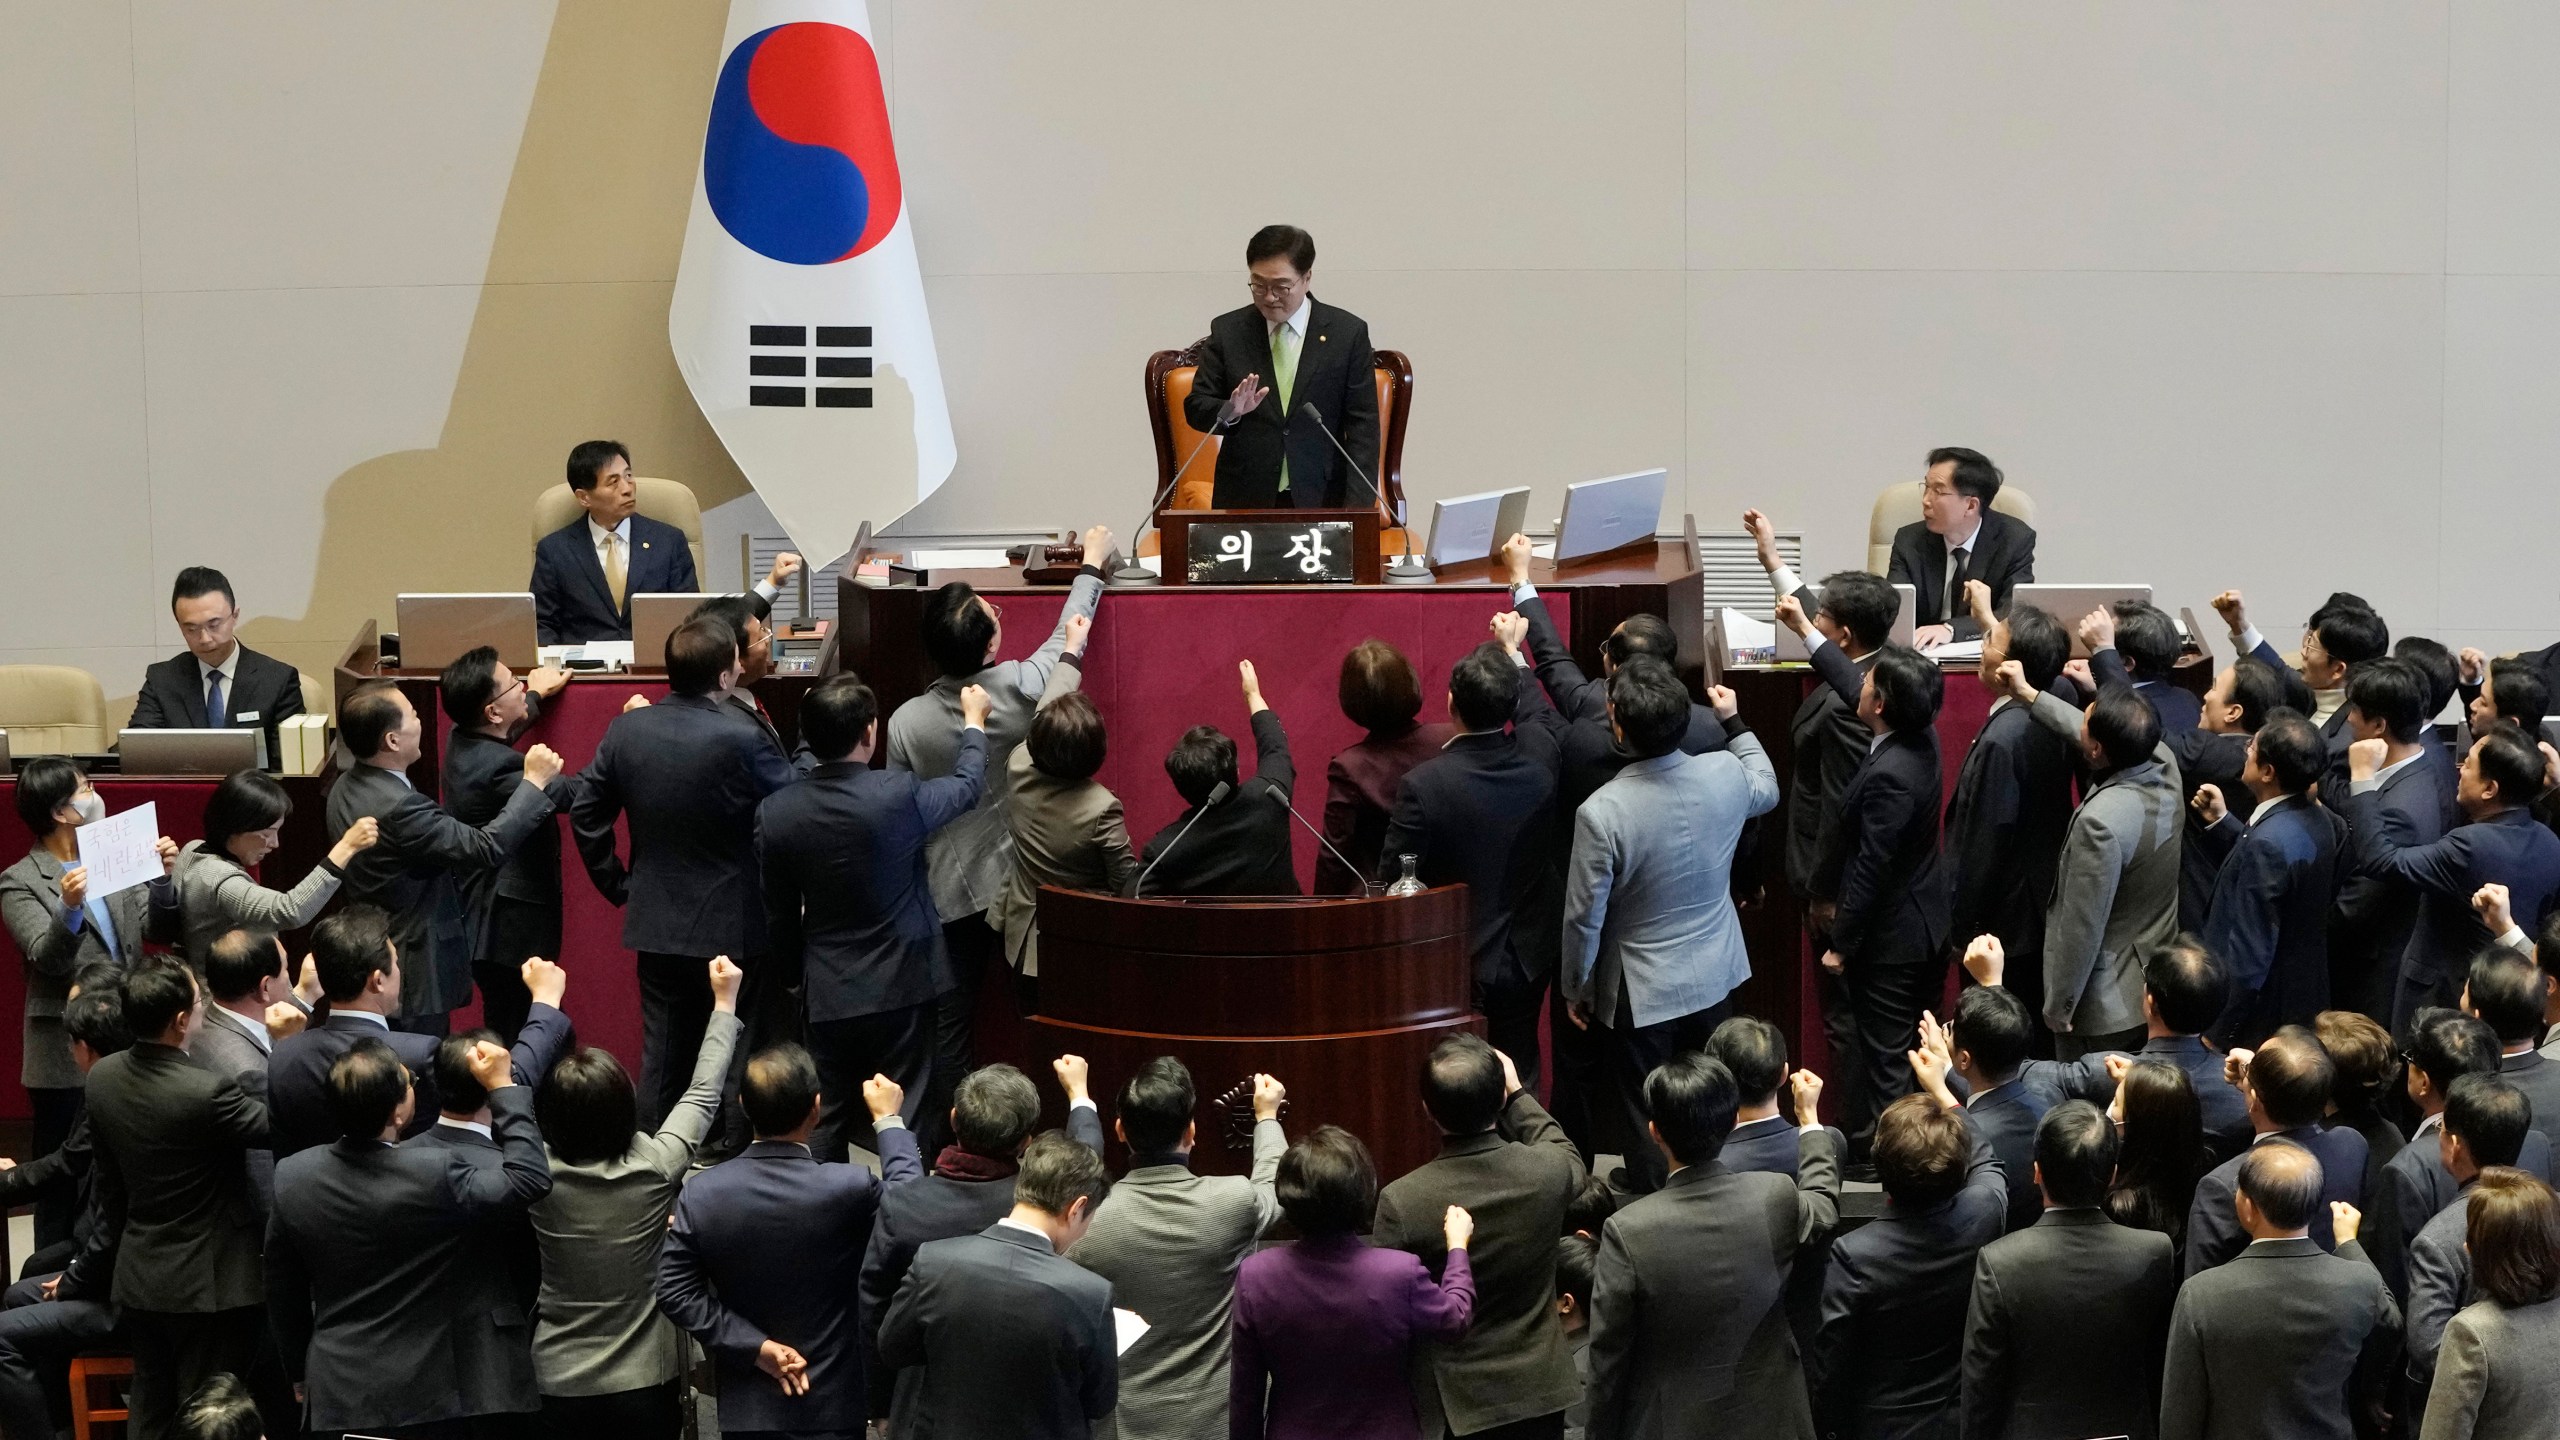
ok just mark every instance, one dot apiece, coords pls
pixel 799 318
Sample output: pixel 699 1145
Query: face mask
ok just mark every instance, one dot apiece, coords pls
pixel 89 808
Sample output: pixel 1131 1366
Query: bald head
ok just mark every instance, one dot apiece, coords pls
pixel 2279 1190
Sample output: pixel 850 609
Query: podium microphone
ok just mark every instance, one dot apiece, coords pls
pixel 1138 886
pixel 1368 887
pixel 1406 570
pixel 1134 573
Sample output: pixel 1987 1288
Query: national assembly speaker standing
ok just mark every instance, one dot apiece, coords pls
pixel 1263 364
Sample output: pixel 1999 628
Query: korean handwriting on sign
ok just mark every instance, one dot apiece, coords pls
pixel 1308 550
pixel 1237 547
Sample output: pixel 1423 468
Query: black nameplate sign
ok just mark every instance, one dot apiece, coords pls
pixel 1269 552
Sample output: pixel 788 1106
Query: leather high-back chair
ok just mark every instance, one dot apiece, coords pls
pixel 1899 505
pixel 53 710
pixel 668 501
pixel 1169 375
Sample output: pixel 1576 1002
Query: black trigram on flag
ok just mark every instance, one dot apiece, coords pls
pixel 785 350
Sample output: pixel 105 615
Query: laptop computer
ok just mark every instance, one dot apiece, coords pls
pixel 436 630
pixel 1606 514
pixel 1469 528
pixel 192 752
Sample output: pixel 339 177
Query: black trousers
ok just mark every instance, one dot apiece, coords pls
pixel 174 1353
pixel 675 1008
pixel 519 930
pixel 1884 1003
pixel 38 1337
pixel 1629 1052
pixel 56 1111
pixel 1510 1009
pixel 973 948
pixel 652 1414
pixel 1541 1427
pixel 896 1043
pixel 1576 1089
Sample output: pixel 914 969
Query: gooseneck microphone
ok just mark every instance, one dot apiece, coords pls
pixel 1134 573
pixel 1367 886
pixel 1406 570
pixel 1138 886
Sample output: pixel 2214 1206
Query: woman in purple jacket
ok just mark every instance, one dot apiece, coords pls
pixel 1328 1322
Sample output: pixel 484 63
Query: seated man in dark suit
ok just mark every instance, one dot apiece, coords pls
pixel 219 683
pixel 1987 1047
pixel 2287 1081
pixel 2284 1341
pixel 515 909
pixel 1243 844
pixel 387 1312
pixel 2138 645
pixel 1958 537
pixel 585 572
pixel 2012 804
pixel 2069 1315
pixel 1265 365
pixel 359 967
pixel 2506 991
pixel 1006 1335
pixel 2269 921
pixel 2341 635
pixel 763 1255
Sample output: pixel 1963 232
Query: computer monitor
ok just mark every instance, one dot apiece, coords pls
pixel 1791 646
pixel 1469 528
pixel 655 616
pixel 2067 603
pixel 1606 514
pixel 436 630
pixel 192 752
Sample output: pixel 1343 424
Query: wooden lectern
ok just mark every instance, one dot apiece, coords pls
pixel 1341 999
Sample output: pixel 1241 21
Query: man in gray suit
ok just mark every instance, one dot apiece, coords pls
pixel 2485 1124
pixel 251 1006
pixel 1509 1161
pixel 2041 1361
pixel 2285 1342
pixel 1170 1242
pixel 1652 947
pixel 1689 1332
pixel 411 873
pixel 2115 896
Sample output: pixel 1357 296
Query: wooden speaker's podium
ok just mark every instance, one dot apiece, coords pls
pixel 1339 998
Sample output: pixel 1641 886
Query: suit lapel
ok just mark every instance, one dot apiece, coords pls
pixel 582 541
pixel 191 691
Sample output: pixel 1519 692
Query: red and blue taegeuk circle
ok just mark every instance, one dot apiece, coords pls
pixel 797 160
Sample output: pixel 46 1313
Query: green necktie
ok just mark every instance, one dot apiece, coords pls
pixel 1284 375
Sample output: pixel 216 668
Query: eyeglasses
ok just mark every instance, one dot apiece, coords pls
pixel 1272 287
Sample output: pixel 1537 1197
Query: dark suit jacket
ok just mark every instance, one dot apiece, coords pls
pixel 173 1180
pixel 384 1304
pixel 2178 709
pixel 481 776
pixel 2213 1225
pixel 2224 1110
pixel 2274 1345
pixel 2205 757
pixel 2006 1116
pixel 173 696
pixel 1483 814
pixel 1592 756
pixel 2003 557
pixel 298 1078
pixel 1881 864
pixel 571 602
pixel 845 893
pixel 2539 1078
pixel 1360 789
pixel 1336 374
pixel 2377 912
pixel 768 1247
pixel 507 1235
pixel 2269 922
pixel 689 772
pixel 1830 742
pixel 2509 848
pixel 2004 838
pixel 1010 1338
pixel 1240 846
pixel 414 873
pixel 2419 1188
pixel 2064 1336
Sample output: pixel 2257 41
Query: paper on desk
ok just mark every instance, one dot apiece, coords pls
pixel 957 559
pixel 1967 652
pixel 118 851
pixel 1130 1326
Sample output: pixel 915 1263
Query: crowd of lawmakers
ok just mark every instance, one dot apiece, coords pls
pixel 2239 1124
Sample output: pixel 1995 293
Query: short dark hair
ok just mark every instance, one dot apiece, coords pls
pixel 699 652
pixel 1066 739
pixel 349 948
pixel 734 611
pixel 835 714
pixel 2512 1228
pixel 1910 687
pixel 2290 745
pixel 588 458
pixel 1992 1024
pixel 1577 1258
pixel 2510 760
pixel 2507 990
pixel 993 1111
pixel 2038 643
pixel 367 717
pixel 1755 1052
pixel 2435 662
pixel 2147 639
pixel 2392 694
pixel 2124 726
pixel 2517 694
pixel 246 802
pixel 2283 1181
pixel 587 1107
pixel 1650 705
pixel 1920 1151
pixel 46 785
pixel 2351 634
pixel 220 1409
pixel 1199 762
pixel 366 1086
pixel 1592 1204
pixel 2076 1153
pixel 1378 689
pixel 1862 604
pixel 2490 1117
pixel 2446 1045
pixel 156 993
pixel 469 686
pixel 2187 986
pixel 1643 633
pixel 957 630
pixel 1057 1171
pixel 1483 686
pixel 1462 1085
pixel 1974 475
pixel 238 962
pixel 457 1089
pixel 1691 1099
pixel 95 1018
pixel 1278 240
pixel 2258 688
pixel 2293 1077
pixel 1328 1184
pixel 1156 1105
pixel 2367 1062
pixel 780 1089
pixel 198 581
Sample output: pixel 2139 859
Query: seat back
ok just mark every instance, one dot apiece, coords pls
pixel 1899 505
pixel 53 710
pixel 669 502
pixel 1169 376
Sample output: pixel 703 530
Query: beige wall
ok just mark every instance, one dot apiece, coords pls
pixel 2261 295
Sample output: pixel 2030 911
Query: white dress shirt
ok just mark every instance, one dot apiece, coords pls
pixel 1948 590
pixel 256 1030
